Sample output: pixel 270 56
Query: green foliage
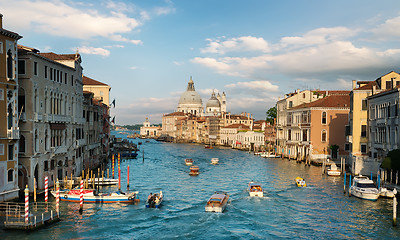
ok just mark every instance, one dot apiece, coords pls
pixel 392 161
pixel 271 115
pixel 334 147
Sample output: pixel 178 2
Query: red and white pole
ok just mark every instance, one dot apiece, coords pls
pixel 128 180
pixel 119 160
pixel 81 198
pixel 58 197
pixel 46 189
pixel 26 205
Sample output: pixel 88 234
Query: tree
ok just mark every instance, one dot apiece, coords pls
pixel 392 161
pixel 271 115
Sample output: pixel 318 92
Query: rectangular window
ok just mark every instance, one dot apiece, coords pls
pixel 45 72
pixel 323 117
pixel 65 78
pixel 397 83
pixel 11 152
pixel 290 104
pixel 347 130
pixel 51 73
pixel 347 146
pixel 363 148
pixel 388 84
pixel 1 149
pixel 35 68
pixel 289 134
pixel 304 134
pixel 72 80
pixel 58 75
pixel 363 130
pixel 364 104
pixel 323 136
pixel 21 67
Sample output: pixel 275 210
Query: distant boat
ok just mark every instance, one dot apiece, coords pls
pixel 214 161
pixel 155 200
pixel 194 171
pixel 333 170
pixel 208 146
pixel 92 197
pixel 217 202
pixel 189 161
pixel 300 182
pixel 255 190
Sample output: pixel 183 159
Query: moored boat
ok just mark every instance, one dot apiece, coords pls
pixel 386 193
pixel 333 170
pixel 208 146
pixel 217 202
pixel 189 161
pixel 255 190
pixel 364 188
pixel 194 171
pixel 268 155
pixel 91 196
pixel 154 200
pixel 214 161
pixel 300 182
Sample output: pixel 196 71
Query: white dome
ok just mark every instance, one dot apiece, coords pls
pixel 190 97
pixel 213 102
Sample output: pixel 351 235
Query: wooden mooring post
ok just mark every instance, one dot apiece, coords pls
pixel 395 208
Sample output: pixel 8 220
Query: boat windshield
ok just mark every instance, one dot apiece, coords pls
pixel 366 185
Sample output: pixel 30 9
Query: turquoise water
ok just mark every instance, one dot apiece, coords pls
pixel 320 211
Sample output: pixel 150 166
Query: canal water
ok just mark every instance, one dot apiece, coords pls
pixel 320 211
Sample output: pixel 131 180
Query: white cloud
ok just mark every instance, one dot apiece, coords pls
pixel 163 10
pixel 50 17
pixel 344 84
pixel 178 63
pixel 93 51
pixel 120 38
pixel 388 30
pixel 133 68
pixel 254 86
pixel 240 44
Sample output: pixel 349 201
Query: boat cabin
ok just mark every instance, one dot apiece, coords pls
pixel 255 188
pixel 194 170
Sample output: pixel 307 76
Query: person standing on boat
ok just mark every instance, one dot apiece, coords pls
pixel 149 197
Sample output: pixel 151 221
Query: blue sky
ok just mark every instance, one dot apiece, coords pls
pixel 255 51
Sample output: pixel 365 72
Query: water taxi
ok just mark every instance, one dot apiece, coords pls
pixel 364 188
pixel 194 171
pixel 154 200
pixel 333 170
pixel 255 190
pixel 189 161
pixel 268 155
pixel 300 182
pixel 217 202
pixel 91 196
pixel 214 161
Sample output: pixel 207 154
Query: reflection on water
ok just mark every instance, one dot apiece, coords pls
pixel 318 211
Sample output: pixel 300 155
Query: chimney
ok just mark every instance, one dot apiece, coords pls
pixel 373 90
pixel 1 20
pixel 248 116
pixel 354 84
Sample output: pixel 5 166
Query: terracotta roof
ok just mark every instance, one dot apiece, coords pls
pixel 54 56
pixel 333 92
pixel 332 101
pixel 233 117
pixel 175 114
pixel 367 86
pixel 10 34
pixel 237 126
pixel 260 122
pixel 89 81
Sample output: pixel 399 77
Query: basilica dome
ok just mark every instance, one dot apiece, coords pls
pixel 190 101
pixel 213 102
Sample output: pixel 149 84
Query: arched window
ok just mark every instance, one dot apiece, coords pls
pixel 10 116
pixel 323 136
pixel 36 141
pixel 323 117
pixel 11 175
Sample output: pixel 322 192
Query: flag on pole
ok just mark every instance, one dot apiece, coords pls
pixel 113 120
pixel 113 103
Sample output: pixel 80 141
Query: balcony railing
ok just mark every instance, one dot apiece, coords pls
pixel 59 150
pixel 13 133
pixel 38 117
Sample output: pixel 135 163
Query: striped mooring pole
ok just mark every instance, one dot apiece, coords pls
pixel 128 180
pixel 119 179
pixel 58 197
pixel 112 161
pixel 81 198
pixel 46 189
pixel 119 160
pixel 26 205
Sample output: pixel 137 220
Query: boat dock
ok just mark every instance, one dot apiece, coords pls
pixel 40 214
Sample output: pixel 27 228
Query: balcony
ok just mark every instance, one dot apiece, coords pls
pixel 13 133
pixel 38 117
pixel 80 143
pixel 59 150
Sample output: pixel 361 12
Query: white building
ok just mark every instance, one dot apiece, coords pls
pixel 149 130
pixel 250 140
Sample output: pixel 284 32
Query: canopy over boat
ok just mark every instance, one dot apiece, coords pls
pixel 194 168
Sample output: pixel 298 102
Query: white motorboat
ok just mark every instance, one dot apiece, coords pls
pixel 189 162
pixel 268 155
pixel 386 193
pixel 364 188
pixel 333 170
pixel 214 161
pixel 255 190
pixel 217 202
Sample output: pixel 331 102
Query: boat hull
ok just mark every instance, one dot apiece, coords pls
pixel 256 194
pixel 127 198
pixel 333 173
pixel 364 195
pixel 217 207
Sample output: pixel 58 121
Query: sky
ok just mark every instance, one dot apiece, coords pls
pixel 255 51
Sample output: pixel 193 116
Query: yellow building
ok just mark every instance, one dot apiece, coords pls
pixel 101 90
pixel 9 131
pixel 357 132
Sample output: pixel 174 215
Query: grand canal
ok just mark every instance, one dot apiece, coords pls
pixel 320 211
